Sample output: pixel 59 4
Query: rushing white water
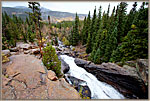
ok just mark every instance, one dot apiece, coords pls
pixel 99 90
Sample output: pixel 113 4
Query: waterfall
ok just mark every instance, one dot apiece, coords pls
pixel 99 90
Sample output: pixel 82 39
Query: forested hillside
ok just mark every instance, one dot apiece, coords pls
pixel 115 38
pixel 56 16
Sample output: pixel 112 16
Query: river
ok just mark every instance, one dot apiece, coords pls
pixel 99 90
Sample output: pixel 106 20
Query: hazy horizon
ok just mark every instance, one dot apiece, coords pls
pixel 80 7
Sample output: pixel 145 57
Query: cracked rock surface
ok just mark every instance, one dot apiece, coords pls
pixel 26 78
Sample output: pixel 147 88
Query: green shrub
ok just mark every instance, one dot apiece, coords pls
pixel 73 49
pixel 50 60
pixel 65 41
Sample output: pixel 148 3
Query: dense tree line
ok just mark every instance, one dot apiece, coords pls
pixel 116 37
pixel 14 29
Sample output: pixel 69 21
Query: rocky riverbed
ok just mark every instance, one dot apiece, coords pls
pixel 25 77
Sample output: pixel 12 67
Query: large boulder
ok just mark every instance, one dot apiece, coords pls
pixel 60 89
pixel 6 52
pixel 80 86
pixel 27 51
pixel 64 66
pixel 15 49
pixel 142 66
pixel 66 52
pixel 35 51
pixel 51 75
pixel 34 46
pixel 14 53
pixel 127 82
pixel 26 78
pixel 24 46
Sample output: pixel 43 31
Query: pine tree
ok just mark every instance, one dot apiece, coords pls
pixel 111 40
pixel 35 15
pixel 99 18
pixel 88 24
pixel 76 31
pixel 130 18
pixel 111 45
pixel 91 58
pixel 103 42
pixel 93 25
pixel 97 57
pixel 89 44
pixel 135 43
pixel 121 21
pixel 84 31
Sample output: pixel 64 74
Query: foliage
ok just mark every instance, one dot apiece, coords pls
pixel 89 44
pixel 65 41
pixel 97 57
pixel 117 38
pixel 75 36
pixel 81 95
pixel 4 58
pixel 50 60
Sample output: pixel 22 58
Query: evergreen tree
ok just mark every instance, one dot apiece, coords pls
pixel 93 25
pixel 111 38
pixel 84 31
pixel 135 43
pixel 99 18
pixel 76 31
pixel 121 21
pixel 89 44
pixel 97 57
pixel 35 15
pixel 91 58
pixel 88 24
pixel 102 44
pixel 130 18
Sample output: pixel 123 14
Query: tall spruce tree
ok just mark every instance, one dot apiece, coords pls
pixel 93 27
pixel 76 31
pixel 111 43
pixel 89 44
pixel 121 16
pixel 130 18
pixel 88 24
pixel 84 31
pixel 35 15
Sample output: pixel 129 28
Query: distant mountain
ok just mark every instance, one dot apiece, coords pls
pixel 20 7
pixel 56 16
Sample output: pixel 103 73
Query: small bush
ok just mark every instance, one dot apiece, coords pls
pixel 65 41
pixel 81 95
pixel 50 60
pixel 4 58
pixel 73 49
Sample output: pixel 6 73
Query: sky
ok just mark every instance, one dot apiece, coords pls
pixel 81 7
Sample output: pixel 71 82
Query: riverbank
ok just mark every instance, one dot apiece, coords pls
pixel 91 84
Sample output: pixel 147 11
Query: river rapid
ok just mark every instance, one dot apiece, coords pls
pixel 99 90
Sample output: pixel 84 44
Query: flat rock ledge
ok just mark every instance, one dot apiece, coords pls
pixel 25 77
